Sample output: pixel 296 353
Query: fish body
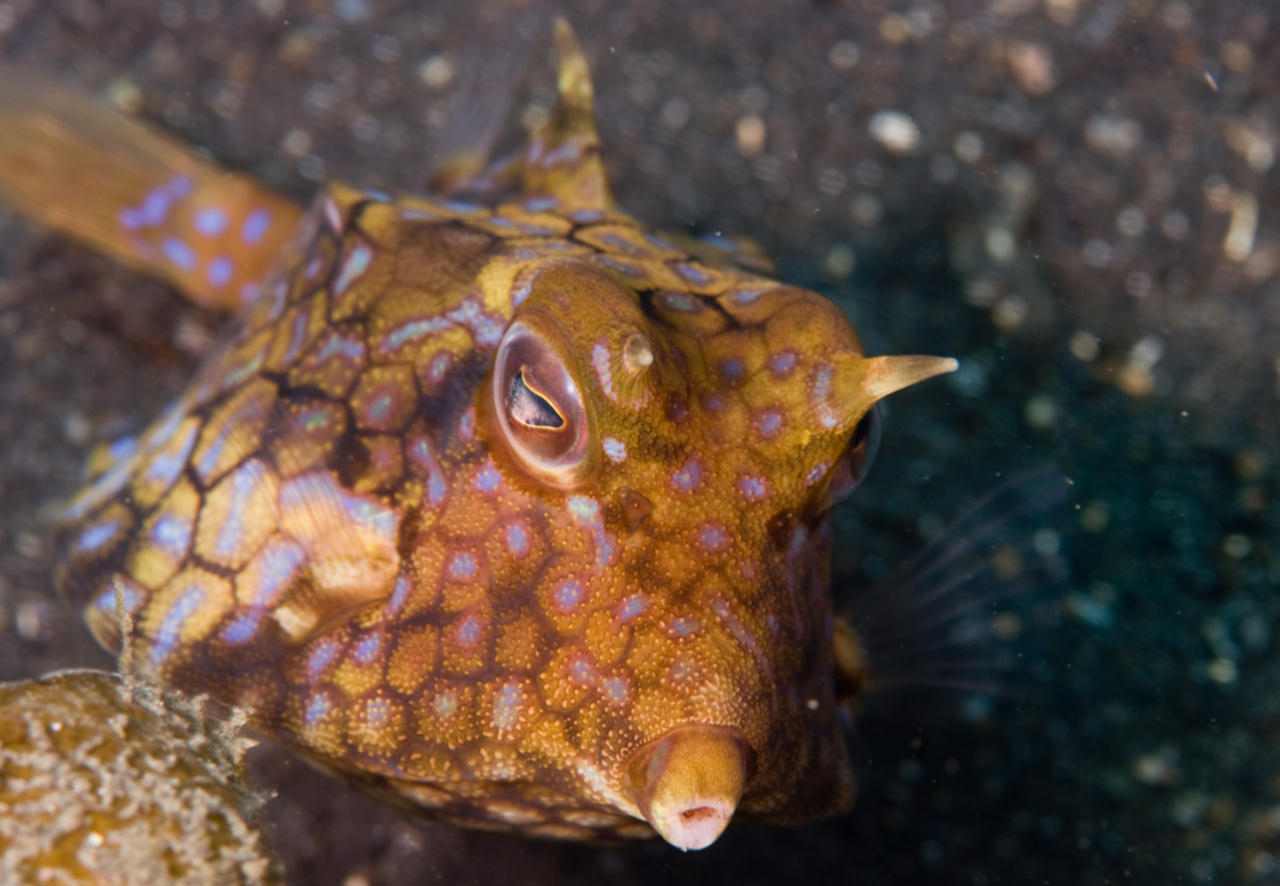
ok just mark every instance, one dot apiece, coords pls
pixel 513 510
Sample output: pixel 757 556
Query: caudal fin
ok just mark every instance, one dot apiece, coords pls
pixel 135 194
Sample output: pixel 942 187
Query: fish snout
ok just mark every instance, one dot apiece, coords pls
pixel 687 783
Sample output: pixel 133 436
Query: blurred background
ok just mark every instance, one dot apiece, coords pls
pixel 1074 197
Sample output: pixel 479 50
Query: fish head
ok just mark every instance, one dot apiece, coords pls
pixel 699 438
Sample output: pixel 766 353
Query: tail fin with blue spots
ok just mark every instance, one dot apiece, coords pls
pixel 135 194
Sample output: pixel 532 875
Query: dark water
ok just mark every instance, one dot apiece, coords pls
pixel 1079 207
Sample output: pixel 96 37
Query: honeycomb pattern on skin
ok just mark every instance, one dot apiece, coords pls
pixel 336 527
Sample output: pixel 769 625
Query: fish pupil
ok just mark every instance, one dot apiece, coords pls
pixel 865 444
pixel 529 408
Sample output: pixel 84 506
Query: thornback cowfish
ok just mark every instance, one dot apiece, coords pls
pixel 511 508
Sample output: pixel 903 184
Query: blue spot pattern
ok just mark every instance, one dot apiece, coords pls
pixel 255 227
pixel 170 631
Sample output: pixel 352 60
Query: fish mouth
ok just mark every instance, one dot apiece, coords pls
pixel 687 783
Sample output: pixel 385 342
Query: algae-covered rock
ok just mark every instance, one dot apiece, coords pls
pixel 104 782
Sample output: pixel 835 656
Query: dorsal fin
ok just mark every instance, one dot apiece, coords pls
pixel 465 160
pixel 562 158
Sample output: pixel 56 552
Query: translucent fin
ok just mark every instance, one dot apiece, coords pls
pixel 482 100
pixel 562 159
pixel 932 621
pixel 136 195
pixel 721 250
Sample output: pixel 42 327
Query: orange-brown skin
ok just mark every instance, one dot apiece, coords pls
pixel 334 527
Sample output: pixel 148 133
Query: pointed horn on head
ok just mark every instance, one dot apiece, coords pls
pixel 861 381
pixel 563 159
pixel 884 375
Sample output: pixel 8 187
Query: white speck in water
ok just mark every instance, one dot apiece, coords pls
pixel 844 55
pixel 28 619
pixel 895 131
pixel 437 72
pixel 1084 346
pixel 1040 412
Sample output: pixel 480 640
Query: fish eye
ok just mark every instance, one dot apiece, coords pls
pixel 539 407
pixel 864 444
pixel 856 460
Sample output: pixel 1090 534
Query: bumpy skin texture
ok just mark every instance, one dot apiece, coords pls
pixel 339 525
